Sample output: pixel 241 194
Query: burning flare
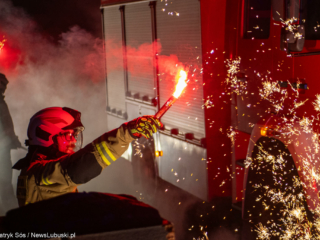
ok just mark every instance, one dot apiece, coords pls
pixel 179 88
pixel 181 84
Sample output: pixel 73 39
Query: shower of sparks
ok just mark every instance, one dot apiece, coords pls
pixel 232 135
pixel 138 147
pixel 306 124
pixel 293 222
pixel 272 92
pixel 263 232
pixel 315 141
pixel 269 88
pixel 292 27
pixel 174 13
pixel 247 162
pixel 283 205
pixel 299 104
pixel 316 103
pixel 281 196
pixel 2 43
pixel 208 104
pixel 237 86
pixel 205 236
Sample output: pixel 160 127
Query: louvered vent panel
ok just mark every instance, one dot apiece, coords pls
pixel 114 58
pixel 139 49
pixel 181 36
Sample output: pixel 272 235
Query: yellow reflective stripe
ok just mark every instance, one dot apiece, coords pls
pixel 108 151
pixel 44 181
pixel 47 180
pixel 102 155
pixel 44 173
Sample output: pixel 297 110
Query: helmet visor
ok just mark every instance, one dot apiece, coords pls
pixel 79 137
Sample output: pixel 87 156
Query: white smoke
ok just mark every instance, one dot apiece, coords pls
pixel 43 74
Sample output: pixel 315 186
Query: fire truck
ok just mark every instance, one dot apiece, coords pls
pixel 193 151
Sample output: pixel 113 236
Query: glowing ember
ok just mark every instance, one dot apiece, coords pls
pixel 181 83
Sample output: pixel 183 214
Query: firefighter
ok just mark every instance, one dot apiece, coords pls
pixel 8 141
pixel 56 164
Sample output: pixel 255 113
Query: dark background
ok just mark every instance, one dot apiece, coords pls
pixel 55 17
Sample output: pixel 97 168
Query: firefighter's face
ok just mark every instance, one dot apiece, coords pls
pixel 67 141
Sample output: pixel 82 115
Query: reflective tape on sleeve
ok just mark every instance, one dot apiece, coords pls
pixel 104 145
pixel 45 179
pixel 105 157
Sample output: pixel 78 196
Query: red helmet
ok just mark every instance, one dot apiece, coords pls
pixel 49 122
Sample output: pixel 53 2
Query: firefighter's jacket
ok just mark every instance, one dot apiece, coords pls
pixel 45 178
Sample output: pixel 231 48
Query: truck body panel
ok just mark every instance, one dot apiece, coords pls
pixel 202 35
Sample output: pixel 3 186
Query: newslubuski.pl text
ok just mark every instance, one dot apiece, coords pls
pixel 37 235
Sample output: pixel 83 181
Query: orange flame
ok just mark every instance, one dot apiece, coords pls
pixel 2 43
pixel 181 83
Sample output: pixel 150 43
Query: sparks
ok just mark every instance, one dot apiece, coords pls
pixel 232 135
pixel 269 88
pixel 292 27
pixel 306 124
pixel 316 103
pixel 237 86
pixel 263 232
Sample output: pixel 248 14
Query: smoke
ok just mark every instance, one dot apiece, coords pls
pixel 140 59
pixel 69 73
pixel 43 74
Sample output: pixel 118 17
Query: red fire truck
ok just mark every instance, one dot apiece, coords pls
pixel 194 151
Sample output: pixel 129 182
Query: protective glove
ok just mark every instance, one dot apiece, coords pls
pixel 144 126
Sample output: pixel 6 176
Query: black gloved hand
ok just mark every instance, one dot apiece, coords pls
pixel 144 126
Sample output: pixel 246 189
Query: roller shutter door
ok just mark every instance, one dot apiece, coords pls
pixel 139 49
pixel 114 59
pixel 181 36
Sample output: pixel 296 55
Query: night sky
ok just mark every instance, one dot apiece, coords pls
pixel 55 17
